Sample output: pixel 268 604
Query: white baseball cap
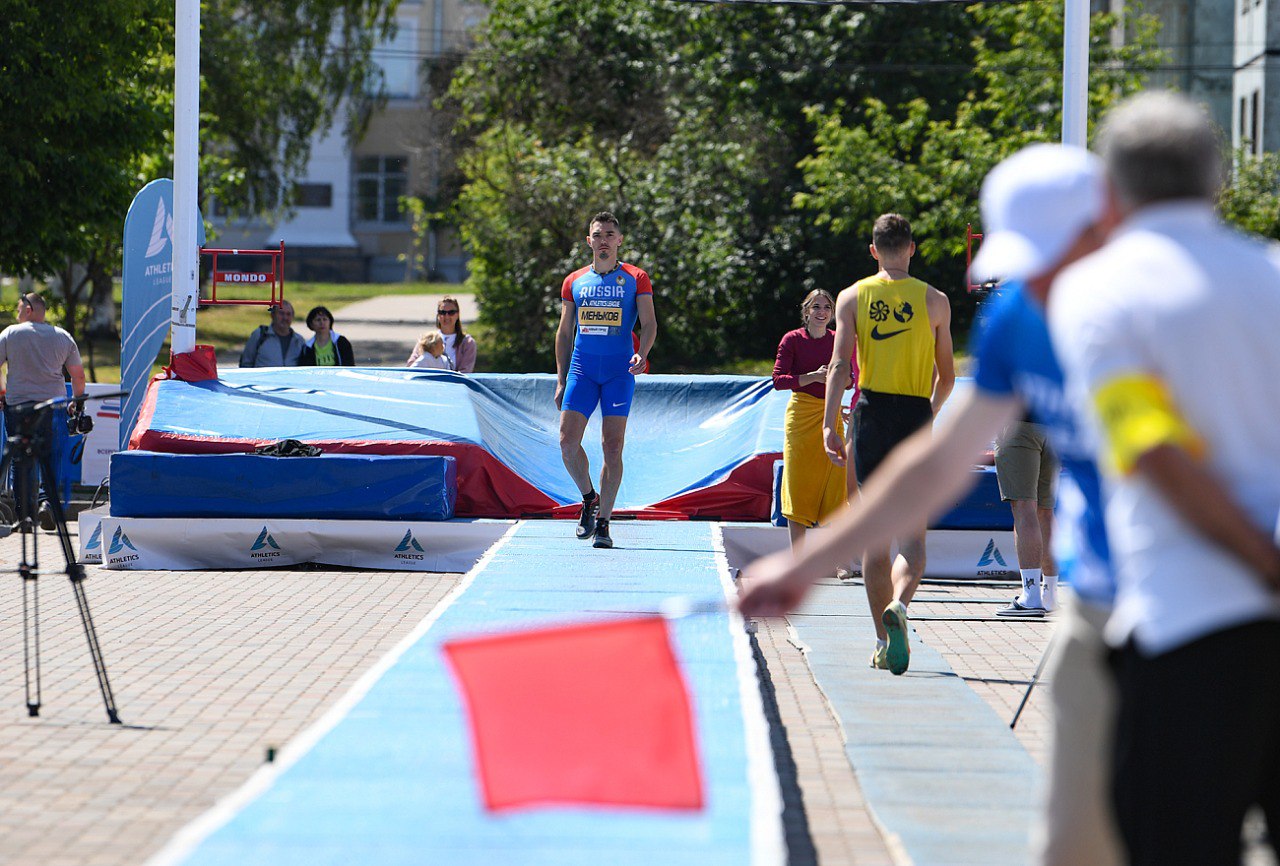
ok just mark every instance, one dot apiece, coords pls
pixel 1034 205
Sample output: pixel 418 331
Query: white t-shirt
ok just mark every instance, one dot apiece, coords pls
pixel 429 361
pixel 451 349
pixel 1178 298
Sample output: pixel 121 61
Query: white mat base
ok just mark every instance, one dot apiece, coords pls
pixel 951 553
pixel 186 544
pixel 454 546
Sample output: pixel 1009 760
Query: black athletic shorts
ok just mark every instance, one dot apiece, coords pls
pixel 880 422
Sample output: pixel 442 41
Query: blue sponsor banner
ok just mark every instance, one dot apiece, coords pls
pixel 148 292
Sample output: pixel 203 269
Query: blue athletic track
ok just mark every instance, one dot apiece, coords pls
pixel 386 777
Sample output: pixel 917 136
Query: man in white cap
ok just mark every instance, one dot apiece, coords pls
pixel 1042 209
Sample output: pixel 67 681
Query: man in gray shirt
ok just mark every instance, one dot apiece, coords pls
pixel 35 353
pixel 276 346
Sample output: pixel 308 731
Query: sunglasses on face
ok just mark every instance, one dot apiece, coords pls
pixel 446 312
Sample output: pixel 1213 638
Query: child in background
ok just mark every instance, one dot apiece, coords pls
pixel 429 353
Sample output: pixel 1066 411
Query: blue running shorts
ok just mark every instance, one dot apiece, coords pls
pixel 603 380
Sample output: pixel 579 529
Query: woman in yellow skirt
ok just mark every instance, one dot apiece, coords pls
pixel 812 486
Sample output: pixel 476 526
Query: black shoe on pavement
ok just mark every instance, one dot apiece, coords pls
pixel 603 538
pixel 587 521
pixel 46 518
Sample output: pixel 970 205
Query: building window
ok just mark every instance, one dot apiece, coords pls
pixel 398 60
pixel 313 195
pixel 380 181
pixel 1255 144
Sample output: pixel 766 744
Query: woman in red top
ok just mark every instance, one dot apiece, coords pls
pixel 812 486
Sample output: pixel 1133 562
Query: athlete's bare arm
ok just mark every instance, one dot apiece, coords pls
pixel 564 346
pixel 944 362
pixel 648 332
pixel 918 480
pixel 838 373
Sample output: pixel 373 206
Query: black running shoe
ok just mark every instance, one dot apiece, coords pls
pixel 587 522
pixel 45 515
pixel 603 538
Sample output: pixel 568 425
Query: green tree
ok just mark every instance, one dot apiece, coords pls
pixel 86 95
pixel 906 158
pixel 77 84
pixel 1251 200
pixel 689 123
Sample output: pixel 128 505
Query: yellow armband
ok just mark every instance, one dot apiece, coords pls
pixel 1137 414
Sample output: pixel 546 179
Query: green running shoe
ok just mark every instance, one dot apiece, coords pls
pixel 880 658
pixel 895 623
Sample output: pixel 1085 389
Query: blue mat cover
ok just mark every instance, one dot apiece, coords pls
pixel 701 445
pixel 331 486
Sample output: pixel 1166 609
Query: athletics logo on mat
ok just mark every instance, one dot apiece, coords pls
pixel 265 540
pixel 409 548
pixel 991 556
pixel 95 540
pixel 120 541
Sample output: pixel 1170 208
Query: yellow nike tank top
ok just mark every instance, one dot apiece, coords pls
pixel 895 339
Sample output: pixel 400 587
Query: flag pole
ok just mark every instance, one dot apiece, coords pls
pixel 1075 73
pixel 186 157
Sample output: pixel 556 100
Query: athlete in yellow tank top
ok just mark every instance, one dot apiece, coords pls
pixel 896 342
pixel 903 334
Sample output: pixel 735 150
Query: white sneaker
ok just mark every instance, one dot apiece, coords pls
pixel 1017 608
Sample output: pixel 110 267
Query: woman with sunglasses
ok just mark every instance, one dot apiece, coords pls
pixel 460 347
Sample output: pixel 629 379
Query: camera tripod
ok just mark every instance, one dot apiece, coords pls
pixel 29 452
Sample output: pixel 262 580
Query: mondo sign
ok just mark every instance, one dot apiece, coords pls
pixel 243 277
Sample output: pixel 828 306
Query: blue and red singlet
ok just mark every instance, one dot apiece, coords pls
pixel 605 307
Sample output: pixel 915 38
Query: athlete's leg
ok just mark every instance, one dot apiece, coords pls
pixel 572 425
pixel 616 393
pixel 613 434
pixel 1044 516
pixel 877 578
pixel 908 566
pixel 1019 473
pixel 870 446
pixel 850 481
pixel 1026 533
pixel 795 531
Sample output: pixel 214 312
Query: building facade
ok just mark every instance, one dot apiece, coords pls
pixel 1226 54
pixel 347 224
pixel 1257 76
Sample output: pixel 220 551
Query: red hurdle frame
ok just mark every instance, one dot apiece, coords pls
pixel 969 237
pixel 273 279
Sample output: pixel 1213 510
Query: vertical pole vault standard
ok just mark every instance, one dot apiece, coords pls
pixel 1075 73
pixel 186 157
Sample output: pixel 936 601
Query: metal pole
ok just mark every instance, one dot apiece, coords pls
pixel 1035 678
pixel 1075 73
pixel 186 157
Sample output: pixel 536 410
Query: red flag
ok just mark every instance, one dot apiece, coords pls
pixel 582 714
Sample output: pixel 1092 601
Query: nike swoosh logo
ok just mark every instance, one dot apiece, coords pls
pixel 876 335
pixel 616 405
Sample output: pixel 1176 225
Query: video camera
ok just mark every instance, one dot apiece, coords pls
pixel 79 422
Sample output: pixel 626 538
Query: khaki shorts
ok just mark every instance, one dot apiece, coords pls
pixel 1026 467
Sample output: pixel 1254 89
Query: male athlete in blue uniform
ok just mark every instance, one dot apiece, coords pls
pixel 1042 209
pixel 597 364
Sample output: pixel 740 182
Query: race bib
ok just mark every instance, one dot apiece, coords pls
pixel 598 320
